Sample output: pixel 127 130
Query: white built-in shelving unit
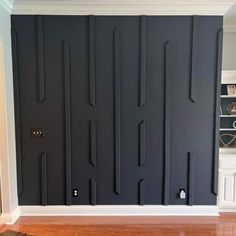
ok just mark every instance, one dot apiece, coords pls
pixel 227 156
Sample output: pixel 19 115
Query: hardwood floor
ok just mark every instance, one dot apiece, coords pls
pixel 126 226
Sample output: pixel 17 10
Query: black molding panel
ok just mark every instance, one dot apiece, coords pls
pixel 17 111
pixel 41 74
pixel 167 100
pixel 127 106
pixel 43 159
pixel 217 109
pixel 67 95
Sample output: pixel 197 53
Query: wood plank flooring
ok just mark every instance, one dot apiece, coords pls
pixel 126 226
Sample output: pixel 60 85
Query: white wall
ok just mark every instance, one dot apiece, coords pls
pixel 229 51
pixel 7 124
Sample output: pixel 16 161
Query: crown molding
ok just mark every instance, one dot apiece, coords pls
pixel 7 5
pixel 129 7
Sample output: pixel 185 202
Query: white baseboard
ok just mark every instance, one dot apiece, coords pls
pixel 121 210
pixel 227 209
pixel 10 218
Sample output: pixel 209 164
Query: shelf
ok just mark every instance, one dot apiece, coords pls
pixel 228 116
pixel 228 96
pixel 227 151
pixel 227 129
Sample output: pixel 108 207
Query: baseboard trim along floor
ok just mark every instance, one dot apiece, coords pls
pixel 121 210
pixel 10 218
pixel 108 210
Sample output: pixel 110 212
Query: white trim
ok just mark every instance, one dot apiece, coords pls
pixel 122 7
pixel 7 5
pixel 227 151
pixel 8 185
pixel 228 77
pixel 227 209
pixel 9 218
pixel 121 210
pixel 230 28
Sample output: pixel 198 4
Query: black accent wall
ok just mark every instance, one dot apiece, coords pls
pixel 124 109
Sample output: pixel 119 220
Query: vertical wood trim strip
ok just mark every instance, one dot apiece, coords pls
pixel 167 121
pixel 17 111
pixel 193 79
pixel 217 110
pixel 43 158
pixel 142 143
pixel 117 110
pixel 191 173
pixel 92 86
pixel 41 73
pixel 93 144
pixel 141 192
pixel 67 120
pixel 143 62
pixel 93 190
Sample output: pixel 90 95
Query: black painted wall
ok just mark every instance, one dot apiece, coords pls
pixel 128 106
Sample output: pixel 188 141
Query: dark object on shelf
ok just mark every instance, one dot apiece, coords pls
pixel 232 108
pixel 227 140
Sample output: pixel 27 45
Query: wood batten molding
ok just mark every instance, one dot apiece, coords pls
pixel 117 109
pixel 41 74
pixel 217 110
pixel 17 111
pixel 142 143
pixel 141 192
pixel 191 161
pixel 142 85
pixel 193 78
pixel 67 120
pixel 130 7
pixel 93 192
pixel 92 85
pixel 43 160
pixel 93 143
pixel 167 121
